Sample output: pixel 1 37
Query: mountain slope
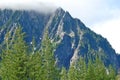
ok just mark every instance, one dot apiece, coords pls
pixel 72 37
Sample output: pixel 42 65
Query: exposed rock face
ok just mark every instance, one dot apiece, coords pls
pixel 73 38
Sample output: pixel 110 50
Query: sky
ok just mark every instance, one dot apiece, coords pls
pixel 102 16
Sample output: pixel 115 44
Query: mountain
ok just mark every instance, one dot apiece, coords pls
pixel 118 57
pixel 72 37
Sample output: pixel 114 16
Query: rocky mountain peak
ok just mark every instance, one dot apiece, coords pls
pixel 73 38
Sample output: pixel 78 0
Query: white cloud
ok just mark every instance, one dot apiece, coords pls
pixel 89 11
pixel 111 30
pixel 27 5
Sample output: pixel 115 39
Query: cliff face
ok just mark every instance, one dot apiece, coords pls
pixel 73 38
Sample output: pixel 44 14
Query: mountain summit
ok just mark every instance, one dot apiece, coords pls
pixel 72 37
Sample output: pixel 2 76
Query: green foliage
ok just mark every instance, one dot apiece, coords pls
pixel 72 75
pixel 118 77
pixel 94 70
pixel 22 62
pixel 64 74
pixel 35 66
pixel 50 71
pixel 90 71
pixel 112 74
pixel 14 57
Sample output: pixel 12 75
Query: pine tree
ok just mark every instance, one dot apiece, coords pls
pixel 35 66
pixel 35 63
pixel 50 71
pixel 14 57
pixel 100 69
pixel 18 62
pixel 81 68
pixel 111 73
pixel 90 71
pixel 72 74
pixel 64 75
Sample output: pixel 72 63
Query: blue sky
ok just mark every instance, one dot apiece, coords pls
pixel 102 16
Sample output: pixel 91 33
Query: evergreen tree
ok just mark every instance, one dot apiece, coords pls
pixel 14 57
pixel 94 70
pixel 18 62
pixel 90 71
pixel 64 75
pixel 35 63
pixel 100 70
pixel 111 73
pixel 35 66
pixel 72 74
pixel 81 68
pixel 50 71
pixel 5 58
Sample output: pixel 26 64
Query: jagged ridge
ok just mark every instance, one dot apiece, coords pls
pixel 73 38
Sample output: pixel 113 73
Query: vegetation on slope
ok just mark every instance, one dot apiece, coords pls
pixel 22 62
